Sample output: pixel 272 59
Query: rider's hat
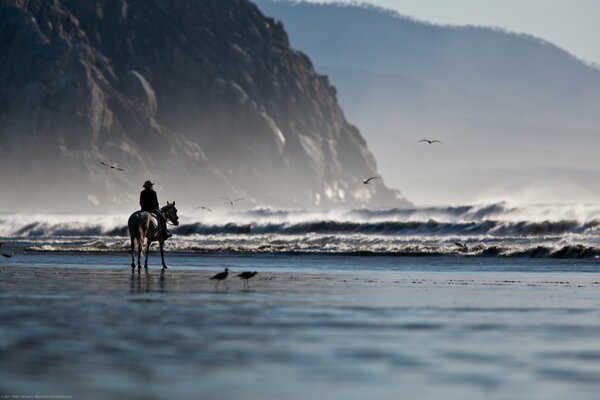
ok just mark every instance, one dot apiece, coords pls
pixel 148 184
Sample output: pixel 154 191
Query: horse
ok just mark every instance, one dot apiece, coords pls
pixel 143 225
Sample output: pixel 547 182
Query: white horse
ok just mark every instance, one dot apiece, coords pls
pixel 144 225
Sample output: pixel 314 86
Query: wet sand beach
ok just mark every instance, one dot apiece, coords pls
pixel 105 332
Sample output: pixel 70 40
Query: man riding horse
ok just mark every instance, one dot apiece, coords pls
pixel 149 203
pixel 150 225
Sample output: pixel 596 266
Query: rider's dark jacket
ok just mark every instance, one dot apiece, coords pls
pixel 148 200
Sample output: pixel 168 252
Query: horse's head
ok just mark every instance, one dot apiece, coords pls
pixel 170 213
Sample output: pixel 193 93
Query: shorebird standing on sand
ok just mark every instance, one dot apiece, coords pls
pixel 368 180
pixel 430 141
pixel 221 276
pixel 246 275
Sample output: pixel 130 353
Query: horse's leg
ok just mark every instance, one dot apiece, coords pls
pixel 162 253
pixel 140 245
pixel 147 253
pixel 132 252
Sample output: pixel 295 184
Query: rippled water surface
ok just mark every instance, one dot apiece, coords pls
pixel 307 327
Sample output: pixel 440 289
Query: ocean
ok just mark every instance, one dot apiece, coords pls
pixel 346 305
pixel 494 230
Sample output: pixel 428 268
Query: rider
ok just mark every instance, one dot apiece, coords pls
pixel 149 203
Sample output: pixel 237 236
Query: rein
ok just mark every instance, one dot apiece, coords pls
pixel 166 215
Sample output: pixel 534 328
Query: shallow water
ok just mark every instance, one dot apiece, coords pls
pixel 307 327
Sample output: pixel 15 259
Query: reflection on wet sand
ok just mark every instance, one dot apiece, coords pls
pixel 146 281
pixel 94 333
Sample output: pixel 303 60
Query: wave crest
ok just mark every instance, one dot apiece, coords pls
pixel 488 230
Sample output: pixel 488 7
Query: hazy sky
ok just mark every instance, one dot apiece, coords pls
pixel 502 143
pixel 571 24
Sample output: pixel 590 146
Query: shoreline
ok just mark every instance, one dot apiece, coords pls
pixel 573 251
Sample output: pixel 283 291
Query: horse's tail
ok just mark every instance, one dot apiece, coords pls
pixel 135 225
pixel 136 231
pixel 131 224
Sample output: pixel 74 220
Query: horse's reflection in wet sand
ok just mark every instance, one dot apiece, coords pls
pixel 147 282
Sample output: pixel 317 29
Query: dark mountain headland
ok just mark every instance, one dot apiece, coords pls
pixel 207 98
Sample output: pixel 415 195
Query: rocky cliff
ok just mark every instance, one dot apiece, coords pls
pixel 206 98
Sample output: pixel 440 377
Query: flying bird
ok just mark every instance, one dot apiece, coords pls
pixel 232 202
pixel 7 255
pixel 367 181
pixel 462 246
pixel 221 276
pixel 114 166
pixel 203 208
pixel 247 275
pixel 430 141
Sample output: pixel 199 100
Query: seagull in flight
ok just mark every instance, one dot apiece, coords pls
pixel 430 141
pixel 203 208
pixel 367 181
pixel 232 202
pixel 114 166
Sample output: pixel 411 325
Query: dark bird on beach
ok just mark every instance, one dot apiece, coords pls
pixel 430 141
pixel 247 275
pixel 232 202
pixel 221 276
pixel 461 246
pixel 7 255
pixel 114 166
pixel 203 208
pixel 368 180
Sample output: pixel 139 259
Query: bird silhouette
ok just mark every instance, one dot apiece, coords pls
pixel 7 255
pixel 232 202
pixel 203 208
pixel 368 180
pixel 221 276
pixel 462 246
pixel 247 275
pixel 430 141
pixel 114 166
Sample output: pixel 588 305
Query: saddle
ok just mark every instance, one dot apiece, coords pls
pixel 159 227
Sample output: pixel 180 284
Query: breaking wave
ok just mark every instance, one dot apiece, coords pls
pixel 487 230
pixel 427 228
